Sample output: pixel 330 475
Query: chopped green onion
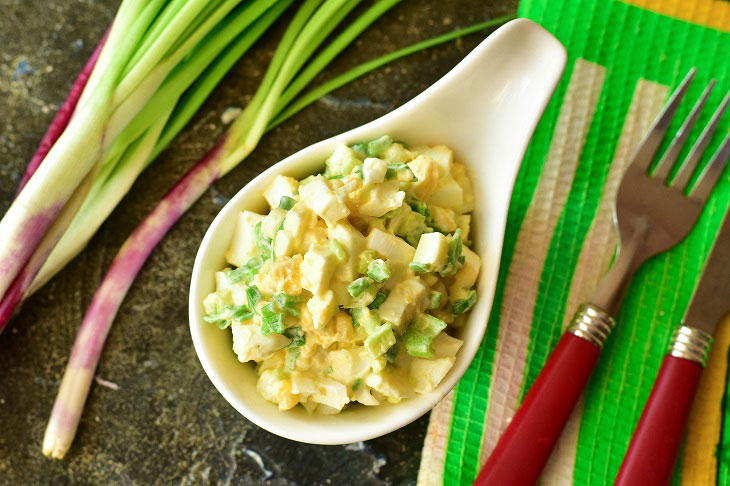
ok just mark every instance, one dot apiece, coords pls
pixel 419 267
pixel 394 168
pixel 357 172
pixel 223 318
pixel 392 353
pixel 358 286
pixel 214 319
pixel 463 305
pixel 420 335
pixel 435 300
pixel 242 313
pixel 288 303
pixel 379 299
pixel 362 316
pixel 357 384
pixel 375 147
pixel 287 202
pixel 420 207
pixel 455 248
pixel 380 340
pixel 263 243
pixel 329 370
pixel 338 250
pixel 361 147
pixel 456 259
pixel 253 295
pixel 248 271
pixel 378 270
pixel 271 321
pixel 297 336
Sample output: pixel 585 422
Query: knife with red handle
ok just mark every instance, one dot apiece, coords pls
pixel 653 449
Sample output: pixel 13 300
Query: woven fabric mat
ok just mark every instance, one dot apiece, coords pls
pixel 624 57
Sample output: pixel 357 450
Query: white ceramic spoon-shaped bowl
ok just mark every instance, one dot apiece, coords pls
pixel 486 110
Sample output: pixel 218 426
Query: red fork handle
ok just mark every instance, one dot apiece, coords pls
pixel 653 448
pixel 525 446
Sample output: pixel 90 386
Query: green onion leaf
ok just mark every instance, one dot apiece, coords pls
pixel 271 321
pixel 338 250
pixel 288 303
pixel 297 336
pixel 358 286
pixel 379 271
pixel 379 299
pixel 420 335
pixel 242 313
pixel 456 259
pixel 377 146
pixel 361 147
pixel 253 296
pixel 215 319
pixel 435 300
pixel 229 313
pixel 463 305
pixel 263 243
pixel 392 353
pixel 420 207
pixel 248 271
pixel 394 168
pixel 357 384
pixel 287 202
pixel 419 267
pixel 380 340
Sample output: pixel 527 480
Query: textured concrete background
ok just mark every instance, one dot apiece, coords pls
pixel 166 424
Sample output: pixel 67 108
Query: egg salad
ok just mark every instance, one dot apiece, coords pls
pixel 346 291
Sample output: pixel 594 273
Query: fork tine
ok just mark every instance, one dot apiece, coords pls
pixel 670 156
pixel 690 163
pixel 709 176
pixel 648 147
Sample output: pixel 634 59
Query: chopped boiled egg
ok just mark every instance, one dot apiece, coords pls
pixel 281 186
pixel 390 246
pixel 331 316
pixel 243 245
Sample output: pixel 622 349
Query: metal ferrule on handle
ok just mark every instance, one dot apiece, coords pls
pixel 592 324
pixel 690 343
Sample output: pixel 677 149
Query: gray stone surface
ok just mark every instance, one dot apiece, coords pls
pixel 166 424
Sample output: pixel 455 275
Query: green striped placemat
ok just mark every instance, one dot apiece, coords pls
pixel 623 60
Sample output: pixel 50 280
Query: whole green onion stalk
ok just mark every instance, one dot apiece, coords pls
pixel 207 64
pixel 268 107
pixel 156 123
pixel 71 157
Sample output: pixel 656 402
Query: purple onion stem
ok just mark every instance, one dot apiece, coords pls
pixel 110 294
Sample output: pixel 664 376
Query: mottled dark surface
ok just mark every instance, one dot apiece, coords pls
pixel 166 424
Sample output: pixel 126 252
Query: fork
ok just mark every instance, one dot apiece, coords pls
pixel 651 215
